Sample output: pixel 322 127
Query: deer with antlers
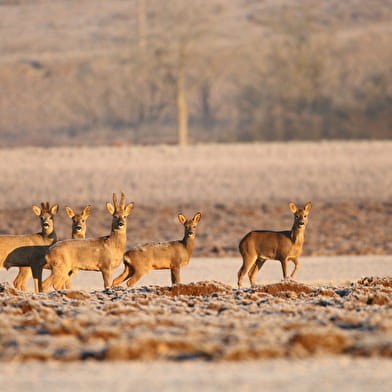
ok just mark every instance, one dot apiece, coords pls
pixel 171 255
pixel 79 227
pixel 25 250
pixel 102 254
pixel 259 246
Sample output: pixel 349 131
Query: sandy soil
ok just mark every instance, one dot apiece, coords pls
pixel 330 329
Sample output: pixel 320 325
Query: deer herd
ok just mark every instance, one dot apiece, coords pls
pixel 32 253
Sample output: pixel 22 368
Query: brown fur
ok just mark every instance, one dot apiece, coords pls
pixel 79 221
pixel 25 251
pixel 79 227
pixel 173 255
pixel 259 246
pixel 98 254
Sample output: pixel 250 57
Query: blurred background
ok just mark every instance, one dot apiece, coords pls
pixel 76 72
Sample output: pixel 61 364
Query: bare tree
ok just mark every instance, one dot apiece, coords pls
pixel 178 33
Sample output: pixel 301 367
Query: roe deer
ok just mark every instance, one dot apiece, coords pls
pixel 98 254
pixel 259 246
pixel 79 227
pixel 172 255
pixel 79 221
pixel 24 250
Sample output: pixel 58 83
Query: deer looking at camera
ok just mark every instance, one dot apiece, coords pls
pixel 79 227
pixel 172 255
pixel 259 246
pixel 98 254
pixel 24 250
pixel 79 222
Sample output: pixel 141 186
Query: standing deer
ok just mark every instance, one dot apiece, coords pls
pixel 98 254
pixel 24 250
pixel 79 227
pixel 79 221
pixel 171 255
pixel 259 246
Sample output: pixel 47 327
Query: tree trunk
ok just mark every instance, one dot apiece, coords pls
pixel 141 23
pixel 182 110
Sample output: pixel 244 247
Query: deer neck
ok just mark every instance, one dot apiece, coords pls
pixel 51 236
pixel 118 238
pixel 189 243
pixel 78 236
pixel 298 235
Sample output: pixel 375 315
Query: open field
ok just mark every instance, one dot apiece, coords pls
pixel 327 329
pixel 331 328
pixel 237 188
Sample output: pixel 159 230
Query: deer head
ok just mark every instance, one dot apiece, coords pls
pixel 189 224
pixel 300 214
pixel 119 212
pixel 79 221
pixel 46 214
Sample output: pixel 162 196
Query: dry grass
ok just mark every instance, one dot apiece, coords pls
pixel 238 188
pixel 248 174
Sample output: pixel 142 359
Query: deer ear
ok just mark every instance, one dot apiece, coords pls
pixel 86 212
pixel 197 217
pixel 181 218
pixel 129 208
pixel 54 209
pixel 308 206
pixel 69 212
pixel 293 207
pixel 37 210
pixel 110 208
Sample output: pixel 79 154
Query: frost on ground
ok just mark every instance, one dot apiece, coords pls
pixel 203 320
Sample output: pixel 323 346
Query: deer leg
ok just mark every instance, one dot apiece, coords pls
pixel 284 268
pixel 22 278
pixel 67 281
pixel 126 274
pixel 175 275
pixel 107 276
pixel 37 276
pixel 58 282
pixel 254 270
pixel 47 283
pixel 246 265
pixel 296 266
pixel 134 278
pixel 56 279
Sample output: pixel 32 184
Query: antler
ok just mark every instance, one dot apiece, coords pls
pixel 122 201
pixel 115 201
pixel 45 206
pixel 119 205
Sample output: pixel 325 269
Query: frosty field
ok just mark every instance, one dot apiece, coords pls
pixel 330 329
